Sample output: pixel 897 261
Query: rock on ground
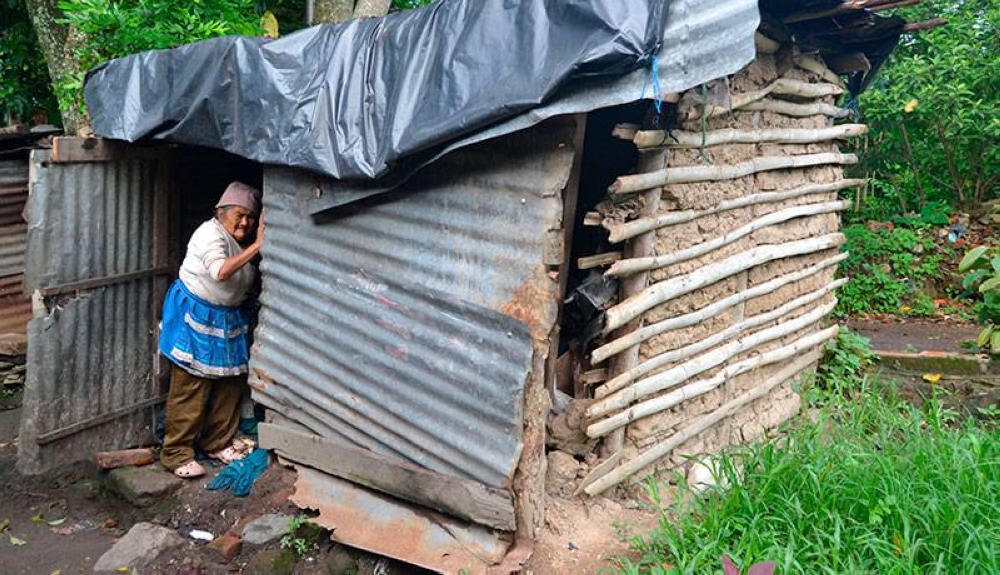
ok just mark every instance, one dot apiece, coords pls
pixel 267 528
pixel 143 543
pixel 143 486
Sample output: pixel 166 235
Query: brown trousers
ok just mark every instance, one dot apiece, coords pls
pixel 200 411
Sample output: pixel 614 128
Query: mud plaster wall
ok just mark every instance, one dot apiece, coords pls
pixel 782 403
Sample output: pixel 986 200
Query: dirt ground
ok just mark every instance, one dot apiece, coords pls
pixel 67 520
pixel 914 335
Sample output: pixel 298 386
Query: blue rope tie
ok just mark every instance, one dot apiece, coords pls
pixel 654 78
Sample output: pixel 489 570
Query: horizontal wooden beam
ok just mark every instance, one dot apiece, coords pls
pixel 462 498
pixel 925 25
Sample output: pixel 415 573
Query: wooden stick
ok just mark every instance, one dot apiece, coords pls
pixel 780 87
pixel 764 44
pixel 685 371
pixel 124 457
pixel 667 290
pixel 636 265
pixel 624 231
pixel 625 131
pixel 796 109
pixel 594 376
pixel 925 25
pixel 641 246
pixel 636 337
pixel 701 387
pixel 732 331
pixel 598 485
pixel 598 260
pixel 692 174
pixel 810 64
pixel 646 139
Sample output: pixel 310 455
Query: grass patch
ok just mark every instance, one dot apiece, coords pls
pixel 874 485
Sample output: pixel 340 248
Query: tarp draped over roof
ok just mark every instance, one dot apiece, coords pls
pixel 348 100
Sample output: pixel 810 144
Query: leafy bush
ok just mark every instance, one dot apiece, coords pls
pixel 887 267
pixel 24 79
pixel 934 110
pixel 845 362
pixel 116 28
pixel 874 485
pixel 982 265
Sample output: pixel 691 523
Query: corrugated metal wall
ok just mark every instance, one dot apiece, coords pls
pixel 15 309
pixel 90 355
pixel 405 325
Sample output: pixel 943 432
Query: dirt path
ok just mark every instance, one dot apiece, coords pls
pixel 915 335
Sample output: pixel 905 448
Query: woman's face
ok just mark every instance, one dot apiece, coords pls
pixel 238 221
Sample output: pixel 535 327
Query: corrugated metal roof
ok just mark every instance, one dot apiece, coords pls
pixel 90 355
pixel 405 325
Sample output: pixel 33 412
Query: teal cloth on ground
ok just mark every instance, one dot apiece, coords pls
pixel 241 474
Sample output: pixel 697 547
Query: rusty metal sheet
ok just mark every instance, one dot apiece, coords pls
pixel 405 325
pixel 91 351
pixel 15 309
pixel 367 520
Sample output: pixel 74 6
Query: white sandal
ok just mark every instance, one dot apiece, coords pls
pixel 228 455
pixel 190 470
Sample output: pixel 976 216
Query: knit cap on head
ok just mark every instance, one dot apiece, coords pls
pixel 240 194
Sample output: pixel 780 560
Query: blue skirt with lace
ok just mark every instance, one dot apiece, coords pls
pixel 204 339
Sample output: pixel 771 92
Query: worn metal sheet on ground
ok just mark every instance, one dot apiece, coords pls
pixel 405 325
pixel 361 518
pixel 91 352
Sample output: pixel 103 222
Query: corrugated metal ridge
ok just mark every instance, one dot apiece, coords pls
pixel 89 354
pixel 383 325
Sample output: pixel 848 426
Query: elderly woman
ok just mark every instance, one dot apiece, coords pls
pixel 205 333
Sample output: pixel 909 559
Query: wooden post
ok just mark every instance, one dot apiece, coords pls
pixel 642 246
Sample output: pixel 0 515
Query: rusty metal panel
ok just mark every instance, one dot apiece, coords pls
pixel 405 325
pixel 362 518
pixel 90 351
pixel 15 309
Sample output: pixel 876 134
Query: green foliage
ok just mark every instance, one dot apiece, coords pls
pixel 845 361
pixel 935 111
pixel 887 266
pixel 410 4
pixel 25 89
pixel 982 268
pixel 116 28
pixel 302 537
pixel 874 485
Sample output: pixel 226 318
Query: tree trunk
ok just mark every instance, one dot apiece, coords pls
pixel 367 8
pixel 908 151
pixel 59 44
pixel 332 11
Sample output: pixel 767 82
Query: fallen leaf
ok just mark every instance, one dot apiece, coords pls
pixel 932 377
pixel 55 522
pixel 37 518
pixel 122 569
pixel 17 541
pixel 56 572
pixel 898 544
pixel 905 309
pixel 911 106
pixel 4 525
pixel 109 523
pixel 69 530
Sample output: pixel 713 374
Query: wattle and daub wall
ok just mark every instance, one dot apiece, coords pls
pixel 731 244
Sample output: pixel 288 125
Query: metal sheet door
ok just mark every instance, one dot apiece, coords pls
pixel 96 266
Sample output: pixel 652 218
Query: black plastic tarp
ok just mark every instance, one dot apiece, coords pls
pixel 352 100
